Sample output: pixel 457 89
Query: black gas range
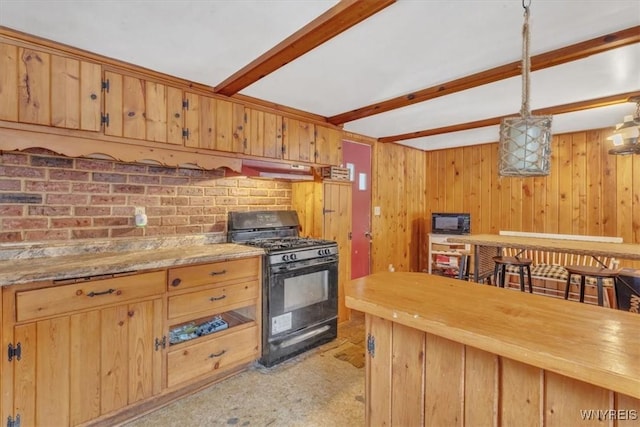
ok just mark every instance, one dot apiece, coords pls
pixel 300 282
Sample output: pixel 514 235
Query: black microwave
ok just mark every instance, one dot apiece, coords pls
pixel 451 223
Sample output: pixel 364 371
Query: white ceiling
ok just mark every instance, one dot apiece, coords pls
pixel 408 46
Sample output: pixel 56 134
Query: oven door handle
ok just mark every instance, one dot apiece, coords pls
pixel 282 268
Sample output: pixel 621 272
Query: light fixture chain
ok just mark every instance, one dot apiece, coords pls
pixel 526 65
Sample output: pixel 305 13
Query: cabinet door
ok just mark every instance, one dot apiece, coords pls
pixel 298 140
pixel 215 124
pixel 141 109
pixel 337 227
pixel 328 146
pixel 163 116
pixel 378 372
pixel 77 367
pixel 264 138
pixel 51 90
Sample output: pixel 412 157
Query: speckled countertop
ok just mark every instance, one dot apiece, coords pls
pixel 41 262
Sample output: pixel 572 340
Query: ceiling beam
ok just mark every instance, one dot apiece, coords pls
pixel 558 109
pixel 538 62
pixel 334 21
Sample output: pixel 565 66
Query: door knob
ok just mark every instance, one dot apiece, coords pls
pixel 367 234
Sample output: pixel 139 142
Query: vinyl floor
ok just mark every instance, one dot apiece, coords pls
pixel 322 387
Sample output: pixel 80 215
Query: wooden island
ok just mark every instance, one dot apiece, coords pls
pixel 447 352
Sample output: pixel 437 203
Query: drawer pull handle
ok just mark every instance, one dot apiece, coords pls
pixel 176 282
pixel 217 273
pixel 217 298
pixel 213 355
pixel 107 292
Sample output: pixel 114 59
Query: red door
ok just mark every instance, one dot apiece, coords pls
pixel 357 157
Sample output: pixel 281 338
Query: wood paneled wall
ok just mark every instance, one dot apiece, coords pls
pixel 588 192
pixel 399 189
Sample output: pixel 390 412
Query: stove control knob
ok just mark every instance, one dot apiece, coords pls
pixel 285 257
pixel 293 257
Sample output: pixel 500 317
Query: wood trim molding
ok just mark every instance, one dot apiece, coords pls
pixel 538 62
pixel 336 20
pixel 558 109
pixel 12 139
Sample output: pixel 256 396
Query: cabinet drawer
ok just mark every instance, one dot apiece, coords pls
pixel 212 299
pixel 80 296
pixel 211 356
pixel 216 272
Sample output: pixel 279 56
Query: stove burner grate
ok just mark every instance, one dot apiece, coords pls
pixel 286 243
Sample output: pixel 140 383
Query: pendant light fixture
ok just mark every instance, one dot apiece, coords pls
pixel 525 141
pixel 625 137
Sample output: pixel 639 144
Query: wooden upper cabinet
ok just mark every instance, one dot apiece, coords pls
pixel 328 146
pixel 264 134
pixel 141 109
pixel 214 124
pixel 8 82
pixel 51 90
pixel 298 140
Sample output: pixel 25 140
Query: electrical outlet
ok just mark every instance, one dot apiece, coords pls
pixel 376 210
pixel 140 217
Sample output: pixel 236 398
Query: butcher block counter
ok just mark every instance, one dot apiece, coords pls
pixel 447 352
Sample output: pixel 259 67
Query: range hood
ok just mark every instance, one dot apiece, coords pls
pixel 274 170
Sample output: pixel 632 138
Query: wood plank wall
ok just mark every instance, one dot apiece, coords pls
pixel 421 379
pixel 399 189
pixel 587 192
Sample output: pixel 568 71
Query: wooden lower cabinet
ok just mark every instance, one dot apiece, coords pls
pixel 200 294
pixel 324 209
pixel 94 351
pixel 211 355
pixel 83 356
pixel 414 378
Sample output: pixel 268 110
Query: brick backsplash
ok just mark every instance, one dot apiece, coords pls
pixel 45 196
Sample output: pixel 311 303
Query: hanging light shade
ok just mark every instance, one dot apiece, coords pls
pixel 625 137
pixel 525 141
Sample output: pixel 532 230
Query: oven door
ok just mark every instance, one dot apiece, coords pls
pixel 301 294
pixel 300 308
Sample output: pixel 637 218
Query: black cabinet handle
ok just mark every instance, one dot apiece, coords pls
pixel 176 282
pixel 217 273
pixel 212 355
pixel 217 298
pixel 95 294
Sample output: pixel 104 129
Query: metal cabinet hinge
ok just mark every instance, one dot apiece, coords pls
pixel 13 423
pixel 105 85
pixel 185 104
pixel 371 345
pixel 185 133
pixel 161 343
pixel 14 351
pixel 104 119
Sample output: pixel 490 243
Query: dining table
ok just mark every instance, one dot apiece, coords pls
pixel 488 245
